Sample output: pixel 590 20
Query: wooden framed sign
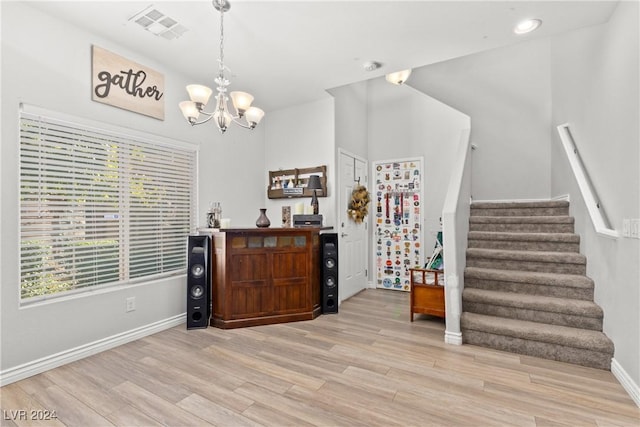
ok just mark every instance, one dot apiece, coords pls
pixel 125 84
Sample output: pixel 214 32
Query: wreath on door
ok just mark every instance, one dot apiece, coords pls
pixel 359 204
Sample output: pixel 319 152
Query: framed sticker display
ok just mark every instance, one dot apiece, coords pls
pixel 396 205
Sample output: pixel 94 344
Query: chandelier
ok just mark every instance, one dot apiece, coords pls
pixel 245 115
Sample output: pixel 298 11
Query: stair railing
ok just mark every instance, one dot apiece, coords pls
pixel 455 228
pixel 594 207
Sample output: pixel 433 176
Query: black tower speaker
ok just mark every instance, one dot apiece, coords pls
pixel 329 269
pixel 198 282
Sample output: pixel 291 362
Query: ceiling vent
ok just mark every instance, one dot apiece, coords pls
pixel 156 22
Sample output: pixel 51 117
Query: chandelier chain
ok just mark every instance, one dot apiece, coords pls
pixel 222 40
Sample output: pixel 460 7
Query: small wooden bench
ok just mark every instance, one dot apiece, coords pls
pixel 427 296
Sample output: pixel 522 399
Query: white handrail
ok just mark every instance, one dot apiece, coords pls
pixel 598 217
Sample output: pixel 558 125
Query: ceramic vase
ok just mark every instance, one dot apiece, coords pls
pixel 263 221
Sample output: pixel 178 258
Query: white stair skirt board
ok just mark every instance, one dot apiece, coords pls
pixel 625 380
pixel 38 366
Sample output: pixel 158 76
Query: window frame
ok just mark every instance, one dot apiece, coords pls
pixel 126 138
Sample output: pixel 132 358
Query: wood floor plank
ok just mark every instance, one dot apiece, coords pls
pixel 152 406
pixel 215 413
pixel 344 405
pixel 193 380
pixel 102 400
pixel 306 411
pixel 69 410
pixel 131 416
pixel 366 365
pixel 273 370
pixel 268 417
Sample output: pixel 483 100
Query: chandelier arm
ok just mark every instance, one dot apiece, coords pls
pixel 239 123
pixel 209 117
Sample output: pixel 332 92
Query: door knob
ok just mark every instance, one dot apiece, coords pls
pixel 344 235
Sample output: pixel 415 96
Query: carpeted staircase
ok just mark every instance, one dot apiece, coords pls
pixel 525 285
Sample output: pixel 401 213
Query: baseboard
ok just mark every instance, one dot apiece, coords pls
pixel 454 338
pixel 562 197
pixel 625 380
pixel 38 366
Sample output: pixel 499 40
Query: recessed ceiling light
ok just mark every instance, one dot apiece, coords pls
pixel 527 26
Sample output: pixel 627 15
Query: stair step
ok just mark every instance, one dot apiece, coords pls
pixel 562 343
pixel 574 286
pixel 540 208
pixel 522 224
pixel 548 262
pixel 543 309
pixel 555 242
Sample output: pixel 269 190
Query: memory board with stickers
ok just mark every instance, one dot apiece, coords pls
pixel 396 205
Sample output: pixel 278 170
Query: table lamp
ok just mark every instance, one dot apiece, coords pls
pixel 314 184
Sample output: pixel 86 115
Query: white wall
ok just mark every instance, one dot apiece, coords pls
pixel 405 123
pixel 351 118
pixel 47 63
pixel 596 90
pixel 299 137
pixel 506 92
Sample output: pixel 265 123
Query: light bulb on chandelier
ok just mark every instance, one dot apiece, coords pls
pixel 200 94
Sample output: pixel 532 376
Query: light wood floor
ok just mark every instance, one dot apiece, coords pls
pixel 366 366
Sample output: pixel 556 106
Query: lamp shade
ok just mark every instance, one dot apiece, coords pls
pixel 199 93
pixel 241 101
pixel 254 115
pixel 189 110
pixel 314 183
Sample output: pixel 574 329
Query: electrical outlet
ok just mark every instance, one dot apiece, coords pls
pixel 626 228
pixel 130 304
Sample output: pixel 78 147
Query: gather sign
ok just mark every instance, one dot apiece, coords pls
pixel 122 83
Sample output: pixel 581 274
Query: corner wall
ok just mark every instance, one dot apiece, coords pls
pixel 507 93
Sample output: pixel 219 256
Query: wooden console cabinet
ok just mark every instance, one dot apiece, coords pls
pixel 265 275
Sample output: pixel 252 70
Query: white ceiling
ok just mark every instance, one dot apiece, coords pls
pixel 289 52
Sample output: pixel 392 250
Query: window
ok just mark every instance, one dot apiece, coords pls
pixel 99 205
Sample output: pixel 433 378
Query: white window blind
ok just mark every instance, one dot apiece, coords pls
pixel 99 205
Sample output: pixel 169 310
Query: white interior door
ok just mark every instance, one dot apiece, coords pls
pixel 353 240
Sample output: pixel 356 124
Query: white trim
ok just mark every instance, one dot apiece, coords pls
pixel 455 220
pixel 562 197
pixel 46 363
pixel 582 178
pixel 625 380
pixel 454 338
pixel 148 137
pixel 338 215
pixel 519 200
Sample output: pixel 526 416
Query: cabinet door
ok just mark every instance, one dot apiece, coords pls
pixel 251 294
pixel 290 282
